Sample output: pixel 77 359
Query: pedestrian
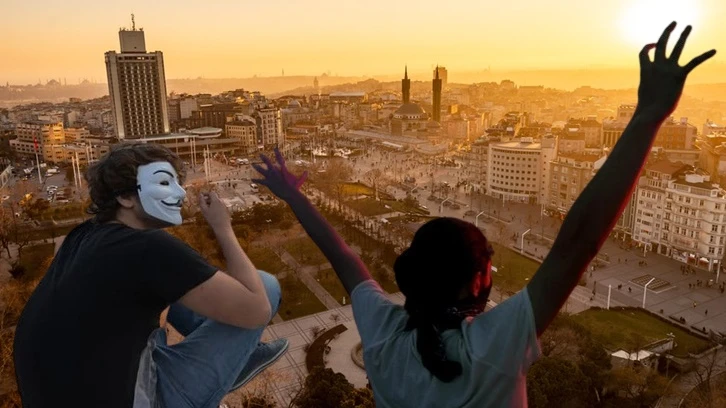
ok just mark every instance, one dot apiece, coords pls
pixel 630 290
pixel 706 312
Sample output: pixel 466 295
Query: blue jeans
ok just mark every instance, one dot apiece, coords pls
pixel 199 371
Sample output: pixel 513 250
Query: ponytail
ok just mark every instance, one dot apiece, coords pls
pixel 431 347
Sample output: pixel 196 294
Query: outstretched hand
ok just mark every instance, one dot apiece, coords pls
pixel 662 80
pixel 278 178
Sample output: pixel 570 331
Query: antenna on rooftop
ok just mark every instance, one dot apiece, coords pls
pixel 133 23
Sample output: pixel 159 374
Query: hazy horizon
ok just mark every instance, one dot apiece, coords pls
pixel 226 39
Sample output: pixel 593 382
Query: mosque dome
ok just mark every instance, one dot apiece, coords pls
pixel 410 109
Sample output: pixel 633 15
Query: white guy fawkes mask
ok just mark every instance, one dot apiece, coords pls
pixel 159 191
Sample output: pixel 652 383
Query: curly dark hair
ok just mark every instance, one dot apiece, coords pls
pixel 115 175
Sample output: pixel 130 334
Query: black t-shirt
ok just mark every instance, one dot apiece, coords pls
pixel 81 335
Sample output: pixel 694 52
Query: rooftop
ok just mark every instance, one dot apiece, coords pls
pixel 666 167
pixel 410 109
pixel 582 157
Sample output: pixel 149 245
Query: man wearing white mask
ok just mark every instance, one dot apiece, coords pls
pixel 89 335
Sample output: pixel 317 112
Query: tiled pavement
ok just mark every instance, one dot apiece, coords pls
pixel 284 378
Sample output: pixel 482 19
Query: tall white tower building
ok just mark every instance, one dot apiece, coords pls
pixel 137 86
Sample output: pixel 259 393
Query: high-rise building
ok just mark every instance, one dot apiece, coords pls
pixel 436 96
pixel 269 127
pixel 443 74
pixel 406 87
pixel 137 86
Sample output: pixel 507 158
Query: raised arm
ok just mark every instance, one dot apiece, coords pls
pixel 596 210
pixel 347 264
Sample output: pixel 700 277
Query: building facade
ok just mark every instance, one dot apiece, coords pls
pixel 569 174
pixel 137 87
pixel 269 127
pixel 682 214
pixel 47 136
pixel 244 130
pixel 518 169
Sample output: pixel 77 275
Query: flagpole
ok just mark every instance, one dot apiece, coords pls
pixel 78 167
pixel 37 160
pixel 75 176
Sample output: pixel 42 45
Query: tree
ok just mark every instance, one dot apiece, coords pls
pixel 556 382
pixel 377 179
pixel 324 388
pixel 14 294
pixel 410 201
pixel 337 175
pixel 34 209
pixel 636 385
pixel 568 340
pixel 705 371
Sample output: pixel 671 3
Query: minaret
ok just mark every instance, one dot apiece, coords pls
pixel 437 96
pixel 406 87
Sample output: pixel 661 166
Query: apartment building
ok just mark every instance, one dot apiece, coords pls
pixel 569 174
pixel 517 170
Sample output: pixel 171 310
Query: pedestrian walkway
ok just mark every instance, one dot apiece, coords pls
pixel 305 273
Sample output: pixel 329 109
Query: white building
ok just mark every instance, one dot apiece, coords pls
pixel 137 86
pixel 692 228
pixel 518 170
pixel 269 127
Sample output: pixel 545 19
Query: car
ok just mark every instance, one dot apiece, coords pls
pixel 469 213
pixel 447 204
pixel 432 198
pixel 423 207
pixel 455 206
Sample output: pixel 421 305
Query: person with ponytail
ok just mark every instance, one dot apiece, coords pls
pixel 442 348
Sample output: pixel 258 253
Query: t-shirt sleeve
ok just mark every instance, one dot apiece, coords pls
pixel 505 337
pixel 174 268
pixel 375 315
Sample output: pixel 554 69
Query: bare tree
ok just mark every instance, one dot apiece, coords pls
pixel 377 179
pixel 706 369
pixel 338 173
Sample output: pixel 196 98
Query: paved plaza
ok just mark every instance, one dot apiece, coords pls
pixel 284 378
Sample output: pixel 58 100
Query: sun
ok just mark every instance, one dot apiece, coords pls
pixel 643 21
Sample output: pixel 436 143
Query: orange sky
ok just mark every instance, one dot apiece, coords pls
pixel 233 38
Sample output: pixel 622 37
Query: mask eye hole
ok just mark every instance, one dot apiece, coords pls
pixel 164 183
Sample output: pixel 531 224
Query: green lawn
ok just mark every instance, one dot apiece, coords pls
pixel 626 329
pixel 370 207
pixel 297 299
pixel 32 257
pixel 266 259
pixel 356 189
pixel 513 269
pixel 329 280
pixel 305 251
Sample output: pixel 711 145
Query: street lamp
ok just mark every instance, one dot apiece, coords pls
pixel 476 221
pixel 523 234
pixel 441 206
pixel 645 290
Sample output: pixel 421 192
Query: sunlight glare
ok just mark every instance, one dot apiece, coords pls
pixel 643 21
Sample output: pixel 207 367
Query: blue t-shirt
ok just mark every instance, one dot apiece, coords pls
pixel 495 350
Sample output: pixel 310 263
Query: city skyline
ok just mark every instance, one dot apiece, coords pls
pixel 227 40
